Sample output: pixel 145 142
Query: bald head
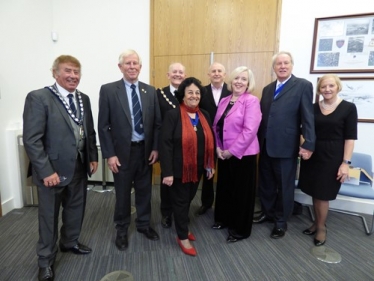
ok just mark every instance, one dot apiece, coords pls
pixel 217 74
pixel 176 74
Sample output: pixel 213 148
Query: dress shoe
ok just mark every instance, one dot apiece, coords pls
pixel 261 218
pixel 149 233
pixel 191 237
pixel 46 273
pixel 232 239
pixel 78 249
pixel 202 210
pixel 319 242
pixel 166 222
pixel 122 243
pixel 277 233
pixel 191 251
pixel 218 226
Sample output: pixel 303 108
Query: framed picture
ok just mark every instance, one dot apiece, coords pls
pixel 343 44
pixel 360 91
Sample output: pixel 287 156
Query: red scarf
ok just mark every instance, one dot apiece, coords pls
pixel 189 144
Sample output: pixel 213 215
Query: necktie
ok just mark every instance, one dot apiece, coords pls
pixel 136 111
pixel 279 88
pixel 71 104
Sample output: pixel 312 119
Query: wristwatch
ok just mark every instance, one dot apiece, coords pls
pixel 347 162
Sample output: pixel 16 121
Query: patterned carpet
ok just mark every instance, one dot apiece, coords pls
pixel 256 258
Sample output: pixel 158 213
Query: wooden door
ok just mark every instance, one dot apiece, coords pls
pixel 238 32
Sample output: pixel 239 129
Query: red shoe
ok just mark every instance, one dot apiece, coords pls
pixel 191 237
pixel 191 252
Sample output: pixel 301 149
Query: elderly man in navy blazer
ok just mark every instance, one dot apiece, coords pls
pixel 287 113
pixel 215 91
pixel 128 125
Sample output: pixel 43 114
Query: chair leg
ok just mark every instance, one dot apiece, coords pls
pixel 367 230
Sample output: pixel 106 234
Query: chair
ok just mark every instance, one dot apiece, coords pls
pixel 364 190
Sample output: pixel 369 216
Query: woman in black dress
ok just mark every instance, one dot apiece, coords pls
pixel 336 129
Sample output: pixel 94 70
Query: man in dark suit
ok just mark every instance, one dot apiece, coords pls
pixel 215 91
pixel 60 140
pixel 128 125
pixel 287 112
pixel 167 101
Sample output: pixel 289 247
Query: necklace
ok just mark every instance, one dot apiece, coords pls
pixel 195 121
pixel 330 107
pixel 232 102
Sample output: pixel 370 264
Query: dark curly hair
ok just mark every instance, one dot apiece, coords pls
pixel 188 82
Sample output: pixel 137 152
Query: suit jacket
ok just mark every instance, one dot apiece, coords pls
pixel 240 126
pixel 115 126
pixel 171 157
pixel 48 136
pixel 166 100
pixel 288 116
pixel 207 100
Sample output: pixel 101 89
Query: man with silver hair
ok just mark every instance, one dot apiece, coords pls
pixel 129 123
pixel 287 113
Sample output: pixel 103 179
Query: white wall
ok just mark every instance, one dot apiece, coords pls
pixel 96 31
pixel 297 27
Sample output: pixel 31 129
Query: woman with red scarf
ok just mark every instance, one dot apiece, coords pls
pixel 186 152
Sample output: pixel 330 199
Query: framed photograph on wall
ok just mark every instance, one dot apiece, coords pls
pixel 343 44
pixel 360 91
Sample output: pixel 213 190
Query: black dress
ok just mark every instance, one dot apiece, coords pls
pixel 318 174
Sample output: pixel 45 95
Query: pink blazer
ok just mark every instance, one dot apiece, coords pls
pixel 240 126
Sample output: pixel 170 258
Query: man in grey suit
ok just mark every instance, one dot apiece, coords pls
pixel 128 125
pixel 287 113
pixel 60 140
pixel 215 91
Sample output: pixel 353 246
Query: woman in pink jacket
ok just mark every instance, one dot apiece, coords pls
pixel 235 127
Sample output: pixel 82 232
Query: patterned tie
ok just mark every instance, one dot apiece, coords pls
pixel 279 88
pixel 71 104
pixel 136 111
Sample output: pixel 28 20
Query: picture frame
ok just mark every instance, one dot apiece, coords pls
pixel 343 44
pixel 360 91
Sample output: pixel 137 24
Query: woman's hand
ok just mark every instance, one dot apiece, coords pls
pixel 168 180
pixel 219 153
pixel 343 172
pixel 226 154
pixel 210 173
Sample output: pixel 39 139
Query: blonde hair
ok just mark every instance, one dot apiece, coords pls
pixel 236 72
pixel 328 76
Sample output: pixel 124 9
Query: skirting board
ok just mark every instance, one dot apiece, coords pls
pixel 358 205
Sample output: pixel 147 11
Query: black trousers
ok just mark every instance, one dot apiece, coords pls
pixel 139 173
pixel 182 194
pixel 165 200
pixel 277 186
pixel 72 197
pixel 207 192
pixel 235 195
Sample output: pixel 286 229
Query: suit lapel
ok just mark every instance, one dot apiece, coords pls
pixel 289 85
pixel 144 100
pixel 62 110
pixel 122 97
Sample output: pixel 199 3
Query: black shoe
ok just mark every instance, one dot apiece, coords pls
pixel 202 210
pixel 149 233
pixel 318 242
pixel 78 249
pixel 46 273
pixel 218 226
pixel 261 218
pixel 166 222
pixel 309 232
pixel 277 233
pixel 122 243
pixel 232 239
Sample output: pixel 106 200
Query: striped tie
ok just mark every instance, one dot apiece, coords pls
pixel 136 111
pixel 71 104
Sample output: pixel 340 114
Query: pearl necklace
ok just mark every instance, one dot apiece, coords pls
pixel 330 107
